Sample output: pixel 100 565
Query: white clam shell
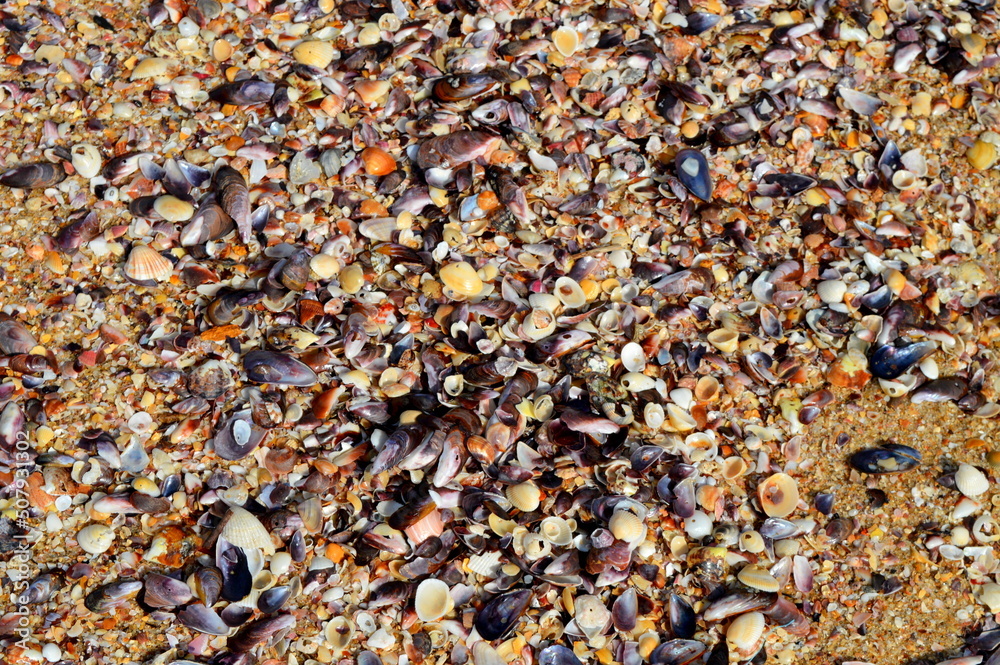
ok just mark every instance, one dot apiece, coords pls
pixel 244 530
pixel 637 382
pixel 745 633
pixel 86 160
pixel 570 293
pixel 627 526
pixel 556 530
pixel 95 538
pixel 433 600
pixel 970 481
pixel 633 357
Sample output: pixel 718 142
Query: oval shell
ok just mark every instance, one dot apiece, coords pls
pixel 751 541
pixel 970 481
pixel 733 467
pixel 338 632
pixel 433 600
pixel 146 266
pixel 746 632
pixel 314 53
pixel 556 530
pixel 758 578
pixel 778 495
pixel 461 278
pixel 627 526
pixel 245 531
pixel 526 496
pixel 372 91
pixel 636 382
pixel 566 40
pixel 377 161
pixel 173 209
pixel 86 160
pixel 570 293
pixel 96 538
pixel 633 357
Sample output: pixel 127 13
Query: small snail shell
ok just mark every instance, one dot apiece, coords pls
pixel 751 541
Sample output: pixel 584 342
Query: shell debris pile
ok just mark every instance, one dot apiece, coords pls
pixel 487 331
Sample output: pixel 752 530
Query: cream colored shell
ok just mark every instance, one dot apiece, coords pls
pixel 146 264
pixel 970 481
pixel 556 530
pixel 314 53
pixel 525 496
pixel 626 526
pixel 95 538
pixel 779 495
pixel 757 577
pixel 245 531
pixel 745 633
pixel 570 293
pixel 433 600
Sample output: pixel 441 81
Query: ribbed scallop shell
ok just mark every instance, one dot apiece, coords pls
pixel 314 53
pixel 745 633
pixel 556 530
pixel 433 600
pixel 970 481
pixel 626 526
pixel 570 293
pixel 778 495
pixel 246 532
pixel 758 578
pixel 525 496
pixel 146 266
pixel 487 565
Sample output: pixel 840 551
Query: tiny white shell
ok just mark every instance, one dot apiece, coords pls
pixel 244 530
pixel 633 357
pixel 970 481
pixel 86 160
pixel 433 600
pixel 653 415
pixel 95 538
pixel 556 530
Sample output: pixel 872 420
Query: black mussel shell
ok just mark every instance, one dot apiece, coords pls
pixel 108 596
pixel 556 654
pixel 677 652
pixel 33 176
pixel 243 93
pixel 274 599
pixel 889 458
pixel 692 171
pixel 890 361
pixel 940 390
pixel 683 622
pixel 625 610
pixel 163 591
pixel 499 615
pixel 824 502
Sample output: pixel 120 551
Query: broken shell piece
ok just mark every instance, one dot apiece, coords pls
pixel 591 616
pixel 556 530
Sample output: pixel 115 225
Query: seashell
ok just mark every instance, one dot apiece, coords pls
pixel 370 91
pixel 277 368
pixel 247 92
pixel 526 496
pixel 888 458
pixel 173 209
pixel 15 339
pixel 679 419
pixel 461 278
pixel 570 293
pixel 487 565
pixel 377 161
pixel 152 68
pixel 636 382
pixel 746 634
pixel 633 357
pixel 202 619
pixel 463 86
pixel 692 171
pixel 273 599
pixel 206 584
pixel 751 541
pixel 499 615
pixel 433 600
pixel 338 632
pixel 535 547
pixel 653 415
pixel 627 526
pixel 33 176
pixel 591 616
pixel 314 53
pixel 109 596
pixel 145 266
pixel 245 531
pixel 557 531
pixel 733 467
pixel 724 340
pixel 625 611
pixel 683 620
pixel 566 40
pixel 260 631
pixel 231 191
pixel 163 591
pixel 757 577
pixel 779 495
pixel 538 323
pixel 970 481
pixel 556 654
pixel 455 149
pixel 96 538
pixel 86 160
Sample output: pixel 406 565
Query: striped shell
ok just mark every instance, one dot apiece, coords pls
pixel 970 481
pixel 526 496
pixel 758 578
pixel 746 634
pixel 314 53
pixel 245 531
pixel 145 266
pixel 556 530
pixel 433 600
pixel 778 494
pixel 487 565
pixel 627 526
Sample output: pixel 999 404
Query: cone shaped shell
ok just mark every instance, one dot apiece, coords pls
pixel 145 265
pixel 245 531
pixel 433 600
pixel 526 497
pixel 970 481
pixel 778 495
pixel 759 578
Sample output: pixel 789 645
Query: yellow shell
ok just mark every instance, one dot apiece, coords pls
pixel 245 531
pixel 556 530
pixel 707 389
pixel 724 340
pixel 371 91
pixel 377 161
pixel 627 526
pixel 751 541
pixel 535 547
pixel 314 53
pixel 151 68
pixel 566 40
pixel 173 209
pixel 970 481
pixel 733 467
pixel 352 278
pixel 461 278
pixel 570 293
pixel 745 633
pixel 778 495
pixel 759 578
pixel 433 600
pixel 145 264
pixel 526 496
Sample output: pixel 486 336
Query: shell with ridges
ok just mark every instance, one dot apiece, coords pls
pixel 145 266
pixel 778 494
pixel 314 53
pixel 556 530
pixel 970 481
pixel 245 531
pixel 759 578
pixel 525 496
pixel 627 526
pixel 746 633
pixel 433 600
pixel 487 565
